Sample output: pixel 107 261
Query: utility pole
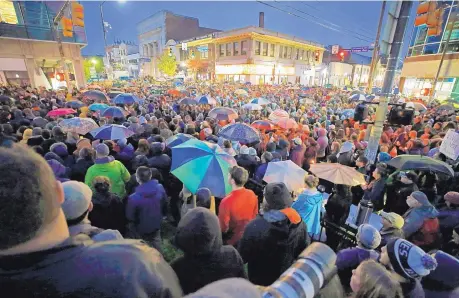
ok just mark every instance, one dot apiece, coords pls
pixel 57 19
pixel 396 45
pixel 103 24
pixel 375 57
pixel 453 21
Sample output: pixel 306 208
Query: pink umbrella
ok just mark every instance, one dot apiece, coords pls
pixel 286 123
pixel 277 115
pixel 61 112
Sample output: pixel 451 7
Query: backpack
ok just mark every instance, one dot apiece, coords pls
pixel 428 234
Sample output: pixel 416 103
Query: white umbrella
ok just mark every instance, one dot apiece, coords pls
pixel 287 172
pixel 338 173
pixel 252 107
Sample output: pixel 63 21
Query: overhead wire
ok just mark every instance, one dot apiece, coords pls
pixel 313 21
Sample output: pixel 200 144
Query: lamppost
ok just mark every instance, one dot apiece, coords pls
pixel 103 24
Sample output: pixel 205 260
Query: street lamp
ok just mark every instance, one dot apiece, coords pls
pixel 94 62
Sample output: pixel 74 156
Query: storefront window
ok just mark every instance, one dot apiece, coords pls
pixel 281 50
pixel 455 33
pixel 265 49
pixel 257 47
pixel 289 53
pixel 301 54
pixel 236 48
pixel 8 13
pixel 285 52
pixel 430 49
pixel 421 36
pixel 271 50
pixel 453 47
pixel 244 47
pixel 297 54
pixel 222 50
pixel 417 51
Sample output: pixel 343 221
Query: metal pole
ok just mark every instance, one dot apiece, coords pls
pixel 57 19
pixel 360 75
pixel 375 57
pixel 103 24
pixel 397 42
pixel 434 85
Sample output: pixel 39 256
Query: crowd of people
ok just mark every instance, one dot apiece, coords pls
pixel 83 217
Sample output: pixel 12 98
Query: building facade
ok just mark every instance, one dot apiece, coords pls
pixel 424 55
pixel 118 59
pixel 29 53
pixel 159 29
pixel 251 54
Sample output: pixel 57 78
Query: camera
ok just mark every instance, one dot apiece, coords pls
pixel 314 268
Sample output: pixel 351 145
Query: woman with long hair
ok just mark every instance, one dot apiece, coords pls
pixel 371 279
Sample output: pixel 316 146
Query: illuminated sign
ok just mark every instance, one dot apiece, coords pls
pixel 255 69
pixel 7 12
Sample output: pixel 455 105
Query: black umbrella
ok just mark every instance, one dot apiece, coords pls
pixel 421 163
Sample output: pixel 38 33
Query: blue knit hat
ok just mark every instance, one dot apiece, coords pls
pixel 368 237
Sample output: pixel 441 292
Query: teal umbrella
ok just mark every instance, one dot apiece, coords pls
pixel 201 164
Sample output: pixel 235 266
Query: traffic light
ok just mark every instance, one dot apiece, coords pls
pixel 429 14
pixel 341 55
pixel 60 77
pixel 77 14
pixel 317 56
pixel 67 27
pixel 170 52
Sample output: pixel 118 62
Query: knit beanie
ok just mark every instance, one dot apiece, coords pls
pixel 368 237
pixel 277 196
pixel 408 260
pixel 420 197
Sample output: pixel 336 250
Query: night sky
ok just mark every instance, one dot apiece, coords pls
pixel 346 23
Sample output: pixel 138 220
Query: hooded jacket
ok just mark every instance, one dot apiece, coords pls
pixel 309 205
pixel 414 219
pixel 270 244
pixel 80 267
pixel 205 258
pixel 107 211
pixel 297 154
pixel 80 168
pixel 114 170
pixel 322 141
pixel 144 208
pixel 60 172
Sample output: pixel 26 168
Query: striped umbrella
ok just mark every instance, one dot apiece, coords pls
pixel 201 164
pixel 111 132
pixel 357 97
pixel 112 112
pixel 207 100
pixel 262 125
pixel 277 115
pixel 261 101
pixel 78 125
pixel 239 132
pixel 98 107
pixel 178 139
pixel 223 113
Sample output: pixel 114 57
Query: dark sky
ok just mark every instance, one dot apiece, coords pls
pixel 339 22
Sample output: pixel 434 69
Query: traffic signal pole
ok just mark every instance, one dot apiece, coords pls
pixel 453 21
pixel 397 41
pixel 57 19
pixel 375 57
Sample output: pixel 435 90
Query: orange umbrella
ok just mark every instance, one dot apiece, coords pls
pixel 173 92
pixel 286 123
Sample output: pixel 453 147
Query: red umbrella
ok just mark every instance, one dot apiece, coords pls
pixel 61 112
pixel 262 125
pixel 287 123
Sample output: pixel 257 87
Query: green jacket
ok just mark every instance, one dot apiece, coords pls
pixel 114 170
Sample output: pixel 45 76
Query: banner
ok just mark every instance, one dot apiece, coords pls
pixel 450 144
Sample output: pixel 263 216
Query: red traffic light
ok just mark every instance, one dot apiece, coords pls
pixel 341 54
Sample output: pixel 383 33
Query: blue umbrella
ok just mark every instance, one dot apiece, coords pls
pixel 240 132
pixel 261 101
pixel 74 104
pixel 188 101
pixel 348 113
pixel 201 164
pixel 95 95
pixel 357 97
pixel 98 107
pixel 111 132
pixel 370 97
pixel 112 112
pixel 124 99
pixel 178 139
pixel 207 100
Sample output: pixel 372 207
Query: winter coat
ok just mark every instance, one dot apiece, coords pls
pixel 114 170
pixel 396 197
pixel 144 208
pixel 376 194
pixel 248 162
pixel 80 168
pixel 309 205
pixel 270 245
pixel 205 258
pixel 107 211
pixel 349 259
pixel 97 234
pixel 236 210
pixel 126 154
pixel 412 288
pixel 387 234
pixel 162 163
pixel 297 154
pixel 414 220
pixel 449 219
pixel 121 268
pixel 60 172
pixel 322 141
pixel 337 209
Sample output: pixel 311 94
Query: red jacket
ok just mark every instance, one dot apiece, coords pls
pixel 236 211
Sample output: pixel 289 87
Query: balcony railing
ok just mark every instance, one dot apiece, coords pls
pixel 39 33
